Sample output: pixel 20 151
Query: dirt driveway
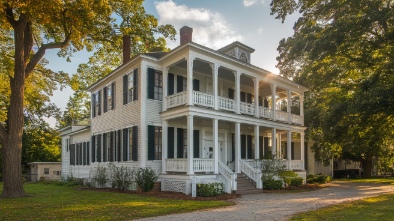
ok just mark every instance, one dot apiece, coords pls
pixel 281 206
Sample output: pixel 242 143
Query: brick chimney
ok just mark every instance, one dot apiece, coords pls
pixel 186 34
pixel 126 48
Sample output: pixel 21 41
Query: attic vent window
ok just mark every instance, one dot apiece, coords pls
pixel 243 57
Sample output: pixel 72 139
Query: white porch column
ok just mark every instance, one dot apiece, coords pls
pixel 164 145
pixel 302 108
pixel 288 95
pixel 256 142
pixel 165 87
pixel 190 144
pixel 273 137
pixel 237 146
pixel 273 100
pixel 215 136
pixel 256 96
pixel 289 148
pixel 237 92
pixel 215 73
pixel 189 80
pixel 302 149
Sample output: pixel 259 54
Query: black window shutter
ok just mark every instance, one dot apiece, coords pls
pixel 151 142
pixel 230 93
pixel 250 152
pixel 72 154
pixel 113 87
pixel 232 147
pixel 179 83
pixel 98 148
pixel 105 147
pixel 119 145
pixel 125 91
pixel 196 144
pixel 151 83
pixel 179 132
pixel 292 150
pixel 266 140
pixel 260 101
pixel 196 84
pixel 170 142
pixel 80 153
pixel 249 98
pixel 105 95
pixel 87 153
pixel 261 147
pixel 306 155
pixel 93 149
pixel 99 103
pixel 84 154
pixel 135 144
pixel 243 146
pixel 94 105
pixel 125 143
pixel 135 84
pixel 243 99
pixel 111 147
pixel 170 84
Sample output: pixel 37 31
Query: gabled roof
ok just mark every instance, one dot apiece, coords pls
pixel 234 44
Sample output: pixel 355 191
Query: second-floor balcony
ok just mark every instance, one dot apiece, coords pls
pixel 227 104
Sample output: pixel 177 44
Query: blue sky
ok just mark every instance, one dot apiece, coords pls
pixel 215 24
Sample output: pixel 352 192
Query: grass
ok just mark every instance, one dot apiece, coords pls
pixel 375 208
pixel 51 202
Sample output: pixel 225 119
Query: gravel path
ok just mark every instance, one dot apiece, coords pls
pixel 281 206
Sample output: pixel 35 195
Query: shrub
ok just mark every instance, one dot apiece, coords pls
pixel 287 176
pixel 99 176
pixel 296 181
pixel 319 178
pixel 145 178
pixel 210 189
pixel 271 184
pixel 121 177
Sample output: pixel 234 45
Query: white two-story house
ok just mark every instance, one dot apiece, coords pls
pixel 192 112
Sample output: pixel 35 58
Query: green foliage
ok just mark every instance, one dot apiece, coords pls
pixel 318 178
pixel 296 181
pixel 271 184
pixel 272 167
pixel 146 178
pixel 342 52
pixel 99 176
pixel 210 189
pixel 121 177
pixel 287 176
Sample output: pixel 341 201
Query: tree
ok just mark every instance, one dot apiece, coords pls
pixel 342 51
pixel 37 26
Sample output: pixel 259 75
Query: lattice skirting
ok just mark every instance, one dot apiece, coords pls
pixel 174 186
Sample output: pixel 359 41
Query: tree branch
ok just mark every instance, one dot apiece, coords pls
pixel 9 15
pixel 41 51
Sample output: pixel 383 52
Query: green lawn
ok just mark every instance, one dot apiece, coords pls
pixel 51 202
pixel 375 208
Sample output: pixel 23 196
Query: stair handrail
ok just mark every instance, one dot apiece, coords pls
pixel 251 172
pixel 229 175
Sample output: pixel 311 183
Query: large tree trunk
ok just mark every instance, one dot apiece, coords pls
pixel 367 166
pixel 12 148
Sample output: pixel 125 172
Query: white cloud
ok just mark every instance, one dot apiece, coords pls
pixel 209 28
pixel 260 30
pixel 248 3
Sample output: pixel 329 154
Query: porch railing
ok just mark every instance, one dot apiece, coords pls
pixel 296 164
pixel 176 99
pixel 176 165
pixel 203 165
pixel 203 99
pixel 282 116
pixel 226 104
pixel 251 172
pixel 297 119
pixel 265 112
pixel 246 108
pixel 229 176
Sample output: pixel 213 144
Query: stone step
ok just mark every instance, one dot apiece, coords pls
pixel 245 185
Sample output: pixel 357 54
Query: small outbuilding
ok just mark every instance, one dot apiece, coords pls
pixel 45 171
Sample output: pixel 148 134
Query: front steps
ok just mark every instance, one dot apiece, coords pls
pixel 245 185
